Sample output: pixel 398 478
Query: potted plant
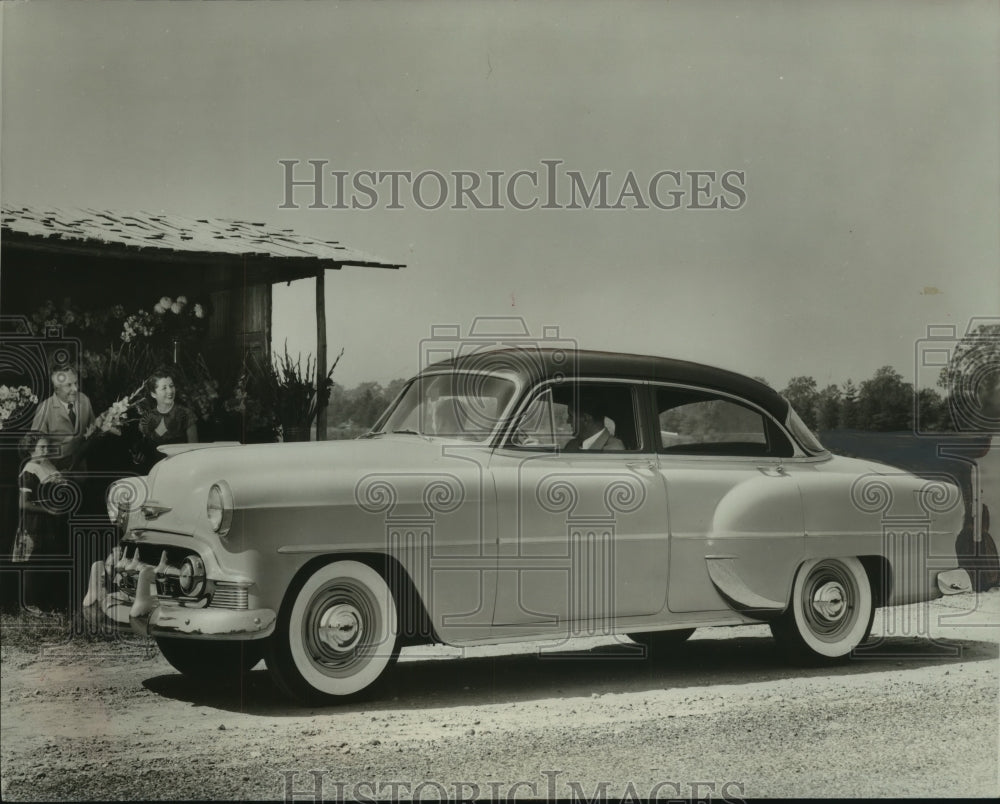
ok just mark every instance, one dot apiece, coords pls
pixel 299 393
pixel 279 399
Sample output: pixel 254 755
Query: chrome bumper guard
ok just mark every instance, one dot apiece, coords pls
pixel 954 582
pixel 149 615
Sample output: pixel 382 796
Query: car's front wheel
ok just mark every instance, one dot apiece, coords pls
pixel 830 614
pixel 211 660
pixel 336 634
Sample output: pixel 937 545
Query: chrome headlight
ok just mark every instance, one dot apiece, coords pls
pixel 192 576
pixel 220 507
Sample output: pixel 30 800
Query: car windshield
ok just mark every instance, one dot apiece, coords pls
pixel 802 433
pixel 467 406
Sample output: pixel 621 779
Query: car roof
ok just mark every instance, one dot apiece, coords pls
pixel 533 364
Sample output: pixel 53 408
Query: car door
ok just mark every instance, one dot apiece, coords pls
pixel 581 534
pixel 735 509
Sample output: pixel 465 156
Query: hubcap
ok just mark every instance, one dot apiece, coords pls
pixel 340 627
pixel 829 601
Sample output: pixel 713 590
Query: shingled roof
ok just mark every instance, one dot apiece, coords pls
pixel 151 234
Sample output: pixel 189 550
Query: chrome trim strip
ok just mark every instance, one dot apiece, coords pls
pixel 953 582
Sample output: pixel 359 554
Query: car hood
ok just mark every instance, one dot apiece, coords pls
pixel 291 474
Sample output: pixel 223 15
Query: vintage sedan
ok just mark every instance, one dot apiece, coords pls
pixel 522 494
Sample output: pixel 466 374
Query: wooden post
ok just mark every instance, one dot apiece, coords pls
pixel 320 353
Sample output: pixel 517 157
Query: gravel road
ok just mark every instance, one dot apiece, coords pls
pixel 724 718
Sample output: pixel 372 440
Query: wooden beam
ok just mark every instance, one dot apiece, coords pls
pixel 320 353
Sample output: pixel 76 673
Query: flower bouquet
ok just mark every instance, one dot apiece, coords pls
pixel 14 402
pixel 115 417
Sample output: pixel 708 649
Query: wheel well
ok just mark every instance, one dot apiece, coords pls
pixel 415 627
pixel 879 573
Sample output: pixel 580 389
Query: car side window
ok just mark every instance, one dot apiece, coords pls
pixel 542 425
pixel 580 417
pixel 702 423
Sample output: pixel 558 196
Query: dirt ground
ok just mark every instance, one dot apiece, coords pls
pixel 723 719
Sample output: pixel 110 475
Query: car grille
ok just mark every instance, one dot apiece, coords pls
pixel 229 596
pixel 221 594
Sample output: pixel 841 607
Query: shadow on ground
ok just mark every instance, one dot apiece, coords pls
pixel 611 668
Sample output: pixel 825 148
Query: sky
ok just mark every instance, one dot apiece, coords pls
pixel 867 136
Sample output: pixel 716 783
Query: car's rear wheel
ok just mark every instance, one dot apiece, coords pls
pixel 660 644
pixel 211 660
pixel 336 634
pixel 830 614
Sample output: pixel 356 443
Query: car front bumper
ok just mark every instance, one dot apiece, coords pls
pixel 148 614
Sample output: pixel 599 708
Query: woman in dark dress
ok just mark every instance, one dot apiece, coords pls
pixel 163 420
pixel 43 534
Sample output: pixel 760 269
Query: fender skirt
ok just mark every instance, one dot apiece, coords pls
pixel 737 594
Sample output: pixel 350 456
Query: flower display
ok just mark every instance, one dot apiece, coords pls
pixel 74 320
pixel 169 317
pixel 14 402
pixel 173 318
pixel 116 416
pixel 138 325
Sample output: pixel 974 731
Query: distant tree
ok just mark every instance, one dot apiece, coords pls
pixel 360 406
pixel 369 406
pixel 972 380
pixel 393 388
pixel 885 402
pixel 367 402
pixel 932 411
pixel 336 408
pixel 827 408
pixel 849 406
pixel 802 394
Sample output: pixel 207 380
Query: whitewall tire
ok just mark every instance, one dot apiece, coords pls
pixel 336 633
pixel 831 611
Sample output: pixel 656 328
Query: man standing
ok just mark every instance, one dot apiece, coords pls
pixel 65 417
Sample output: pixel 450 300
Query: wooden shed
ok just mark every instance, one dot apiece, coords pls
pixel 101 258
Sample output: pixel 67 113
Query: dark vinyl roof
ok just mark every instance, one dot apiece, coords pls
pixel 159 233
pixel 535 364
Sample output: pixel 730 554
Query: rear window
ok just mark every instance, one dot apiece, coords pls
pixel 697 422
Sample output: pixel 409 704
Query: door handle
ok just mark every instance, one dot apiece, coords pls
pixel 648 465
pixel 773 471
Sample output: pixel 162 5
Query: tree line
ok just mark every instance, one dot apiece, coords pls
pixel 884 402
pixel 970 380
pixel 357 408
